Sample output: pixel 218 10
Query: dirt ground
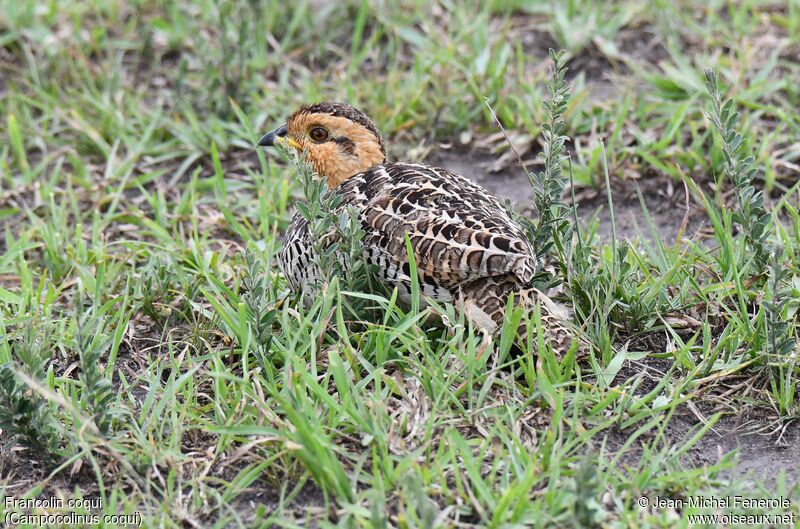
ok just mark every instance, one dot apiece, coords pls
pixel 667 201
pixel 765 448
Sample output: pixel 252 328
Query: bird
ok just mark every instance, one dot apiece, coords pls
pixel 468 249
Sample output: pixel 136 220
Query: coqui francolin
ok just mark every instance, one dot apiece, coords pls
pixel 467 248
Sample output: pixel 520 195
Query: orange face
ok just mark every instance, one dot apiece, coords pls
pixel 337 140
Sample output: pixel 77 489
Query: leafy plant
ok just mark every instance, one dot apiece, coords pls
pixel 740 169
pixel 153 288
pixel 256 296
pixel 24 413
pixel 781 341
pixel 549 184
pixel 97 393
pixel 335 234
pixel 757 225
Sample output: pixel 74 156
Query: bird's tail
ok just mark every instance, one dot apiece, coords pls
pixel 484 304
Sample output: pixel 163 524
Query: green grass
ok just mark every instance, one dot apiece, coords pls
pixel 149 357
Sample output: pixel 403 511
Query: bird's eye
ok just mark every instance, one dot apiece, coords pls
pixel 318 134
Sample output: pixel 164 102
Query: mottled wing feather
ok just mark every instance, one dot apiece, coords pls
pixel 459 232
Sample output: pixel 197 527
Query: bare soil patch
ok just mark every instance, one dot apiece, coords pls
pixel 762 448
pixel 665 199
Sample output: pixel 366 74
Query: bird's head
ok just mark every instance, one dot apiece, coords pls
pixel 337 140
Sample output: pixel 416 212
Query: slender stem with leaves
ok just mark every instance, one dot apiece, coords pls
pixel 757 225
pixel 549 183
pixel 740 169
pixel 780 332
pixel 93 342
pixel 335 234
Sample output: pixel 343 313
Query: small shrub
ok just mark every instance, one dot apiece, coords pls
pixel 335 235
pixel 25 415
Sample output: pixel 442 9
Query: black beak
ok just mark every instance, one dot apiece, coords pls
pixel 268 139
